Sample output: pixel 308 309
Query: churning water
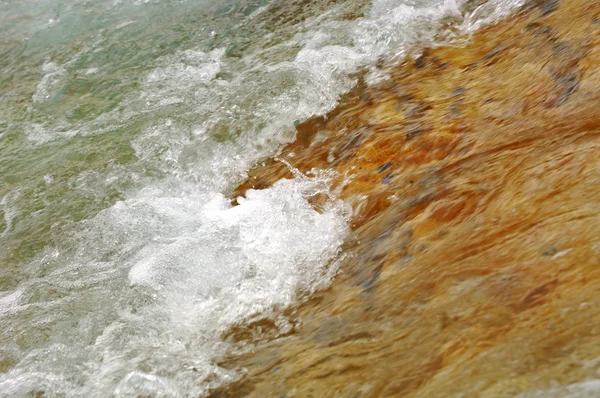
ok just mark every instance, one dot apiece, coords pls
pixel 124 125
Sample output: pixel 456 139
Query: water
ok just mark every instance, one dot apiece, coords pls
pixel 584 389
pixel 124 126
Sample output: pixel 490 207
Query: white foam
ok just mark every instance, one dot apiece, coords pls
pixel 9 301
pixel 191 67
pixel 51 82
pixel 258 105
pixel 156 279
pixel 9 210
pixel 40 133
pixel 487 13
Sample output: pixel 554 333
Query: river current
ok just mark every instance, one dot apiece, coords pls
pixel 124 127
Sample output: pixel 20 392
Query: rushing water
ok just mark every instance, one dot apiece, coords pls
pixel 124 124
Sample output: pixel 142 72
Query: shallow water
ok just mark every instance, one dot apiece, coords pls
pixel 124 127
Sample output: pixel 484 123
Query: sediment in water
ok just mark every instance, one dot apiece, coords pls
pixel 473 267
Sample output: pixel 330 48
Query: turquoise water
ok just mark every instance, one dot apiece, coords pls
pixel 124 125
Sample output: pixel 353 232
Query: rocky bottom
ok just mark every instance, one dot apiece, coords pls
pixel 473 267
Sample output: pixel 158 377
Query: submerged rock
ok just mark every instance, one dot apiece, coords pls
pixel 476 273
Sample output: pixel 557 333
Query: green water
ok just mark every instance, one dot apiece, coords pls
pixel 90 36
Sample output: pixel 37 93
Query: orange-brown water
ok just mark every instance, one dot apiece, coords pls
pixel 473 267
